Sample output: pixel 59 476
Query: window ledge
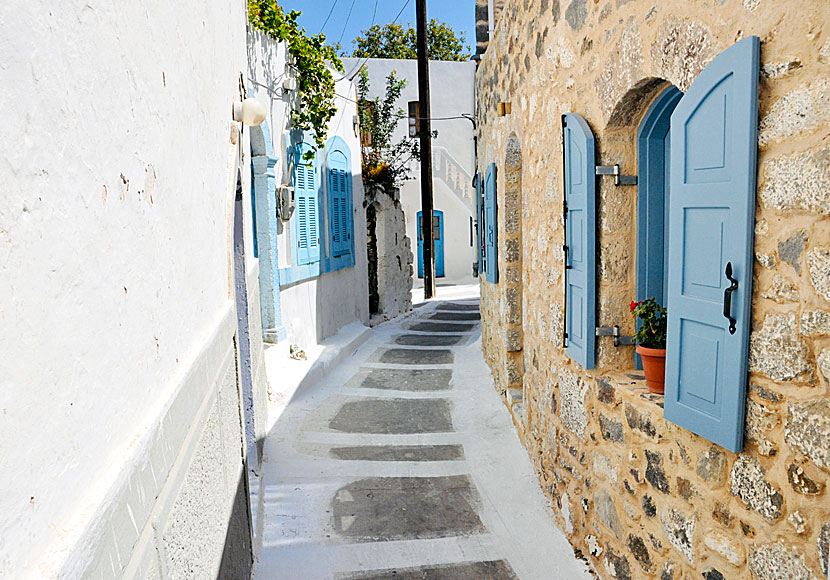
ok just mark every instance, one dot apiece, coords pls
pixel 631 386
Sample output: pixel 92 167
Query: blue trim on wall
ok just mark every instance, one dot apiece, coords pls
pixel 264 191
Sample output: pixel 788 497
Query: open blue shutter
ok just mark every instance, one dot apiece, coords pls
pixel 305 197
pixel 711 216
pixel 580 240
pixel 339 204
pixel 491 226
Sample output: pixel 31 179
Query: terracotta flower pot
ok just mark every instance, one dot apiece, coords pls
pixel 654 367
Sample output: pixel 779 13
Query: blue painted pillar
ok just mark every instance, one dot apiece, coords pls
pixel 265 196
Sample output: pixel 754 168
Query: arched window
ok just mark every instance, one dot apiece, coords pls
pixel 339 204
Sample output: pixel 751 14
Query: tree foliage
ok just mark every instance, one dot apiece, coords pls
pixel 395 41
pixel 384 163
pixel 310 57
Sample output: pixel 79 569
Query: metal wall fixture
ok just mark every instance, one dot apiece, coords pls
pixel 615 332
pixel 615 171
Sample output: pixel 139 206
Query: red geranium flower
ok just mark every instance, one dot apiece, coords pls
pixel 633 305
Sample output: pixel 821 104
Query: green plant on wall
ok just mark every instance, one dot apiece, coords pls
pixel 385 163
pixel 310 58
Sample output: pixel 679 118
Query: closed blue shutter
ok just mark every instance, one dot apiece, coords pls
pixel 580 240
pixel 491 226
pixel 711 215
pixel 479 224
pixel 339 204
pixel 305 196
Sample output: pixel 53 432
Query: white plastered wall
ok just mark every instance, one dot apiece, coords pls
pixel 114 248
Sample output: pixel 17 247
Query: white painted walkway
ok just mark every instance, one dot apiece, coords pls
pixel 325 512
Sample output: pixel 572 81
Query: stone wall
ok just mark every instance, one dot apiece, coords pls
pixel 637 495
pixel 393 255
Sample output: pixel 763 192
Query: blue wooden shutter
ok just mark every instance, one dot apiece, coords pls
pixel 491 226
pixel 339 204
pixel 580 240
pixel 479 224
pixel 711 216
pixel 305 197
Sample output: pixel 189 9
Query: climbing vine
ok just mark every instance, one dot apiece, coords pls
pixel 309 57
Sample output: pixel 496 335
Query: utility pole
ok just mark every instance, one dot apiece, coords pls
pixel 426 149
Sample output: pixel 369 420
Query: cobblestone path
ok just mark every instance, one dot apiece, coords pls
pixel 402 464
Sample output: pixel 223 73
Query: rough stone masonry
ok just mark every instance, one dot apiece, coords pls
pixel 640 496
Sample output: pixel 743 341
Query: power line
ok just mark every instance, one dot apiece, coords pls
pixel 345 24
pixel 405 4
pixel 329 16
pixel 374 12
pixel 359 64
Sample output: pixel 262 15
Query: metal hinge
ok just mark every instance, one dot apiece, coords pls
pixel 615 171
pixel 615 332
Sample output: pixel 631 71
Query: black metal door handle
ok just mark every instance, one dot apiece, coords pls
pixel 727 298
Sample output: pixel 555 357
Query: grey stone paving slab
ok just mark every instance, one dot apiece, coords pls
pixel 494 570
pixel 456 306
pixel 398 416
pixel 404 379
pixel 407 508
pixel 455 316
pixel 399 453
pixel 430 340
pixel 411 356
pixel 441 327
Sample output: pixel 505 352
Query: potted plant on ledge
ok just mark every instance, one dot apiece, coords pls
pixel 651 342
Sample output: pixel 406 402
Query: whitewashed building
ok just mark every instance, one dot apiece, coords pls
pixel 313 257
pixel 452 97
pixel 135 241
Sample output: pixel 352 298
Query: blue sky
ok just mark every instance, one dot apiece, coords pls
pixel 459 14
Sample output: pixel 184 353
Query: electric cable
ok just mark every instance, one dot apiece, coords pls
pixel 359 64
pixel 346 23
pixel 329 16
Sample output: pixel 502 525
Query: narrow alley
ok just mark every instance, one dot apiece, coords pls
pixel 384 468
pixel 415 290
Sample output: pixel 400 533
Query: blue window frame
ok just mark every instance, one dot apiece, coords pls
pixel 653 169
pixel 322 226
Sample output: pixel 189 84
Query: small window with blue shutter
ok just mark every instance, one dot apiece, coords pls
pixel 580 240
pixel 339 205
pixel 491 226
pixel 305 221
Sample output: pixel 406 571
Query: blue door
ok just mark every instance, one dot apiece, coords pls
pixel 438 239
pixel 711 216
pixel 580 240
